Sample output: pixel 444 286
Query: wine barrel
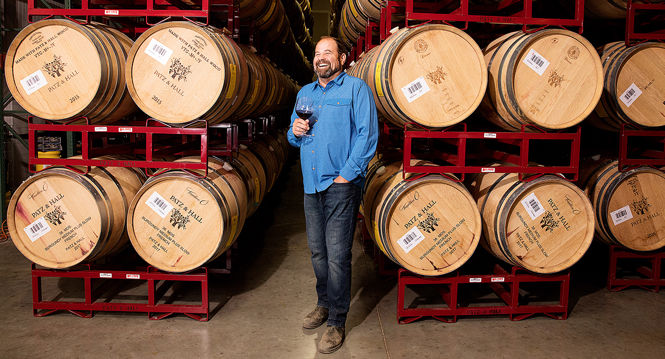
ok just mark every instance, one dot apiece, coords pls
pixel 434 75
pixel 178 221
pixel 59 218
pixel 269 160
pixel 430 225
pixel 629 206
pixel 545 225
pixel 634 86
pixel 58 70
pixel 178 72
pixel 608 9
pixel 551 78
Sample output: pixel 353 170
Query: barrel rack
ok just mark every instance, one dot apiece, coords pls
pixel 506 284
pixel 151 139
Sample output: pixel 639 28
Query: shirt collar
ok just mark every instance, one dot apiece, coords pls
pixel 339 80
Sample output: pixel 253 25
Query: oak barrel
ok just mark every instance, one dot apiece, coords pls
pixel 58 70
pixel 179 221
pixel 178 72
pixel 634 85
pixel 59 218
pixel 629 206
pixel 430 225
pixel 551 78
pixel 544 225
pixel 434 75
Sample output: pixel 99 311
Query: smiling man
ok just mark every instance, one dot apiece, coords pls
pixel 336 144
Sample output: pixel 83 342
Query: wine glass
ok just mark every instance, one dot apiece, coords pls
pixel 305 110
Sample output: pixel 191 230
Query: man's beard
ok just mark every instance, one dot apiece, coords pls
pixel 324 74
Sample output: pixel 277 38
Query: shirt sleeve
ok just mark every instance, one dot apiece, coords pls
pixel 367 133
pixel 293 139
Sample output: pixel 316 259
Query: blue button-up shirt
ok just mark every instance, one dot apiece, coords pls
pixel 344 132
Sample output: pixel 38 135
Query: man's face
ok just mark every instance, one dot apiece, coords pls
pixel 327 59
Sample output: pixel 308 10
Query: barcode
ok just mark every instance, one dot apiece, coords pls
pixel 534 205
pixel 620 214
pixel 537 60
pixel 161 204
pixel 629 94
pixel 417 86
pixel 409 237
pixel 36 227
pixel 158 49
pixel 33 80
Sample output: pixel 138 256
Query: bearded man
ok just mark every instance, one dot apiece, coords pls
pixel 336 144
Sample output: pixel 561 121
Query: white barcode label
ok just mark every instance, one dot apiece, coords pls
pixel 410 239
pixel 621 215
pixel 489 135
pixel 34 82
pixel 227 167
pixel 125 129
pixel 497 279
pixel 105 275
pixel 475 280
pixel 159 205
pixel 158 51
pixel 133 276
pixel 112 12
pixel 630 95
pixel 37 229
pixel 536 62
pixel 415 89
pixel 487 170
pixel 101 129
pixel 533 206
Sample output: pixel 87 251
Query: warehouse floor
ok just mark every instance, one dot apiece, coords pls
pixel 257 310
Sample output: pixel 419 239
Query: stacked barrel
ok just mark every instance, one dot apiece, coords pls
pixel 175 72
pixel 287 48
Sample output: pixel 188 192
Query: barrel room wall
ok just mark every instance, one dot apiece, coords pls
pixel 14 16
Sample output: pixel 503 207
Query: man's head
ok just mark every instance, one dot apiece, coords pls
pixel 329 57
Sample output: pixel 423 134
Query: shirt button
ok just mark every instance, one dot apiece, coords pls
pixel 312 151
pixel 312 168
pixel 338 103
pixel 319 106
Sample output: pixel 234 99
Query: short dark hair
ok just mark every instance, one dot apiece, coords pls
pixel 341 47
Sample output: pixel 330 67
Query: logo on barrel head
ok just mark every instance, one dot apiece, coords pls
pixel 56 216
pixel 573 52
pixel 429 223
pixel 438 75
pixel 548 222
pixel 555 79
pixel 199 42
pixel 421 46
pixel 179 70
pixel 641 206
pixel 55 67
pixel 178 219
pixel 36 37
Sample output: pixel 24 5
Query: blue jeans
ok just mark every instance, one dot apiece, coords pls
pixel 330 218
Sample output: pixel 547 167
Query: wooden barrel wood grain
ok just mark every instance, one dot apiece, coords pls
pixel 434 75
pixel 59 218
pixel 545 225
pixel 629 206
pixel 551 78
pixel 178 222
pixel 634 86
pixel 58 70
pixel 178 72
pixel 430 225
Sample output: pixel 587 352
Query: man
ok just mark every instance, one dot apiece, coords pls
pixel 336 144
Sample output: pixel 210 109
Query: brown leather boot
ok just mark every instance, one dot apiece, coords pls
pixel 331 340
pixel 317 317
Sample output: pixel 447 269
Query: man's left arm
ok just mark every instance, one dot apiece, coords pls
pixel 367 133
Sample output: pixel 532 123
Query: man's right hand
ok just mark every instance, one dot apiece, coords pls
pixel 300 127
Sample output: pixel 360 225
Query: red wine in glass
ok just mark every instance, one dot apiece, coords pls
pixel 304 114
pixel 305 110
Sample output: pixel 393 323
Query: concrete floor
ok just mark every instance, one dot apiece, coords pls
pixel 258 310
